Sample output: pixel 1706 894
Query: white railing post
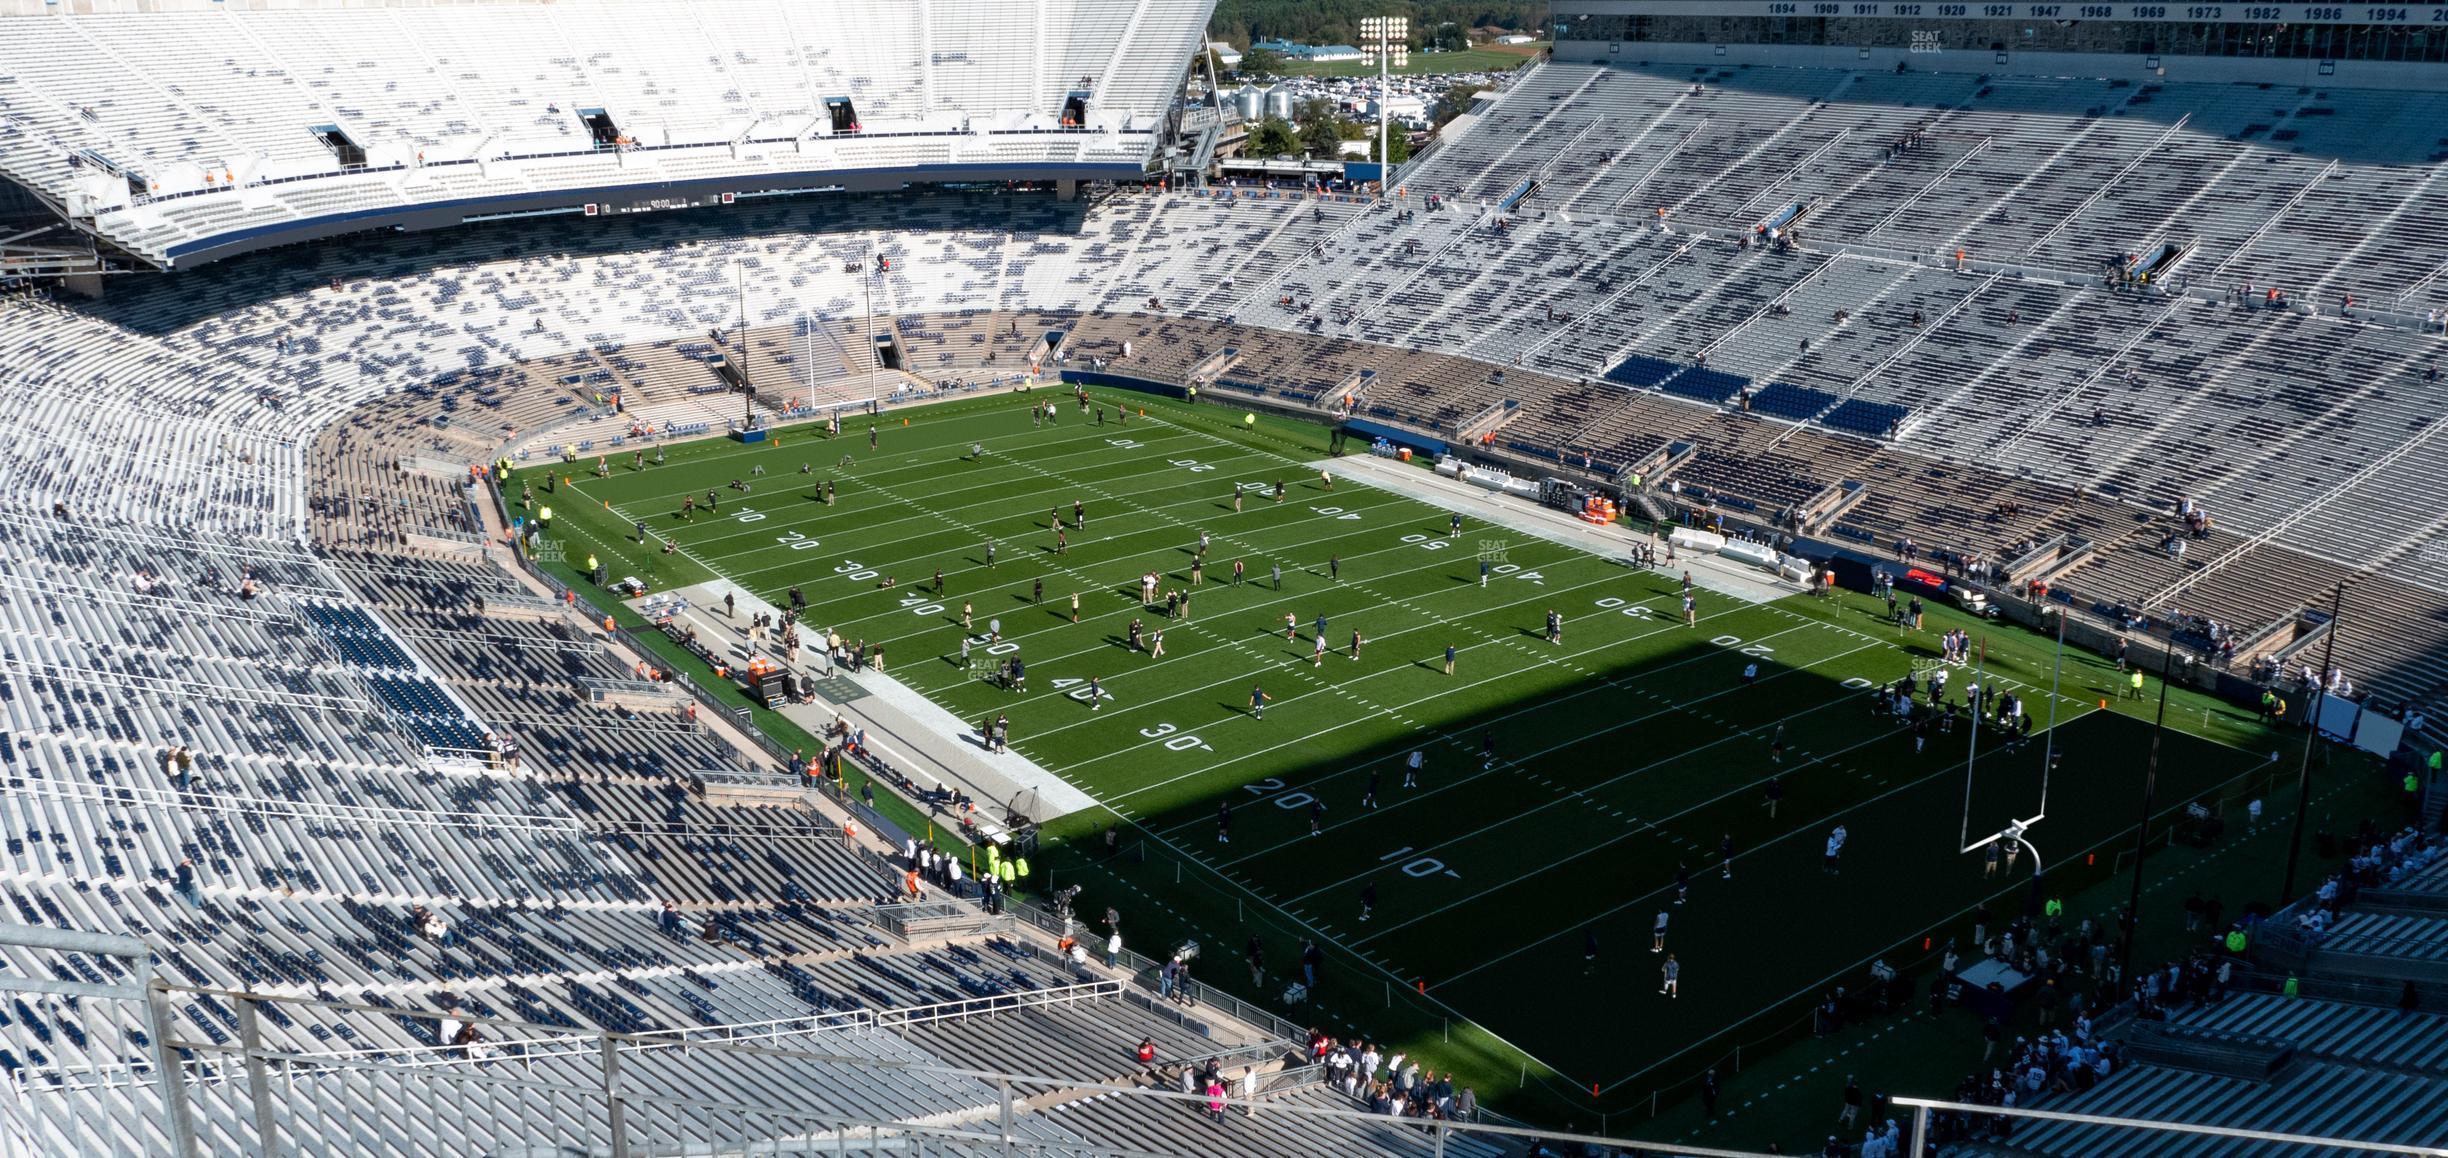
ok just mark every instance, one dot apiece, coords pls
pixel 168 1072
pixel 250 1038
pixel 615 1114
pixel 1005 1096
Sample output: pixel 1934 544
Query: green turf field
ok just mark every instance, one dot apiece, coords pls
pixel 1628 750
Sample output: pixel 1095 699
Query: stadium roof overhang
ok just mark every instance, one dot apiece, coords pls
pixel 614 200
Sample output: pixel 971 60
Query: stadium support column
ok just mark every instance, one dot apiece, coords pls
pixel 2048 752
pixel 2311 727
pixel 747 389
pixel 2150 789
pixel 1066 189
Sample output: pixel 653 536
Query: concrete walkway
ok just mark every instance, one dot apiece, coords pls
pixel 1723 576
pixel 904 728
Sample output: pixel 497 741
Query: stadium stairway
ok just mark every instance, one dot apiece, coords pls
pixel 2315 1098
pixel 2378 1037
pixel 1181 1127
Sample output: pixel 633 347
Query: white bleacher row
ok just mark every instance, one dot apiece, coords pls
pixel 849 1080
pixel 2010 371
pixel 2323 397
pixel 2330 1030
pixel 2064 171
pixel 2013 377
pixel 678 1097
pixel 140 429
pixel 307 863
pixel 1166 1127
pixel 187 103
pixel 2335 1101
pixel 243 89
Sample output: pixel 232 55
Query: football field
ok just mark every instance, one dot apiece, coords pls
pixel 1564 787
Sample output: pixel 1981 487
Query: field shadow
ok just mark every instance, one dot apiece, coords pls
pixel 1672 751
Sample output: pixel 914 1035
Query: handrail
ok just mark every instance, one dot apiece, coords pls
pixel 1256 1050
pixel 777 1026
pixel 1013 1087
pixel 970 1006
pixel 598 688
pixel 303 810
pixel 1921 1108
pixel 1140 966
pixel 484 756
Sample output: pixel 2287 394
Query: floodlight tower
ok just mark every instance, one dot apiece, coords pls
pixel 1388 38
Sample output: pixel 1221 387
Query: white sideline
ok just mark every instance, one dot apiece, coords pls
pixel 1708 572
pixel 1056 796
pixel 947 754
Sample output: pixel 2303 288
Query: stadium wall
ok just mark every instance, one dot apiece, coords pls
pixel 451 214
pixel 2375 74
pixel 119 7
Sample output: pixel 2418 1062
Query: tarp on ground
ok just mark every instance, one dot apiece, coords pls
pixel 1394 434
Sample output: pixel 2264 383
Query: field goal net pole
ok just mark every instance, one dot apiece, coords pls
pixel 2048 749
pixel 1972 756
pixel 2048 755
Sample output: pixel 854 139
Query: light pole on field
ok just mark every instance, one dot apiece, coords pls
pixel 1387 38
pixel 2311 725
pixel 2150 794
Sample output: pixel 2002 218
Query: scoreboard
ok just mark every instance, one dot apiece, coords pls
pixel 2423 15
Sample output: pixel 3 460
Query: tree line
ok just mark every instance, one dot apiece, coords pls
pixel 1318 129
pixel 1242 23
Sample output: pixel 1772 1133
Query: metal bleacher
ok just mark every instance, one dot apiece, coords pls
pixel 304 419
pixel 2382 1037
pixel 204 122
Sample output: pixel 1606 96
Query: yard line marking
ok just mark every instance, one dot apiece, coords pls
pixel 1237 641
pixel 633 511
pixel 1569 795
pixel 1411 704
pixel 1811 829
pixel 894 461
pixel 1294 663
pixel 1029 553
pixel 1616 683
pixel 1866 960
pixel 1582 794
pixel 1086 584
pixel 853 505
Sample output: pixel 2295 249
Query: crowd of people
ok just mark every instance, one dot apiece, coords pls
pixel 1390 1084
pixel 2378 860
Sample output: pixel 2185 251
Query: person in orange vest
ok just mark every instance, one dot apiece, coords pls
pixel 912 881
